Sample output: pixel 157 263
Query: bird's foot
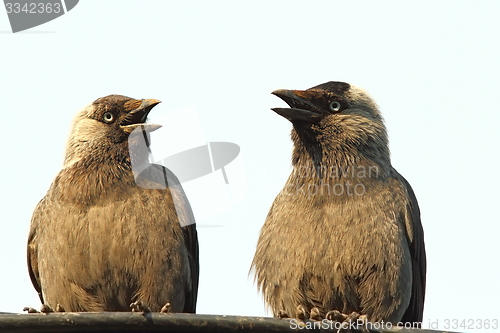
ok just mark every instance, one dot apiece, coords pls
pixel 45 309
pixel 301 312
pixel 138 306
pixel 282 314
pixel 166 308
pixel 336 315
pixel 315 314
pixel 29 309
pixel 348 322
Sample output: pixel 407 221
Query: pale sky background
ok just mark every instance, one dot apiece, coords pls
pixel 432 66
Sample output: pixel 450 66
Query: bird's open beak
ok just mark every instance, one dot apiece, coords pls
pixel 138 114
pixel 300 106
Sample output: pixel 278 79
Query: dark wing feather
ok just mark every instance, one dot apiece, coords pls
pixel 415 232
pixel 188 222
pixel 191 239
pixel 32 253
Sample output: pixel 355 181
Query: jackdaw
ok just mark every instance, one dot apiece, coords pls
pixel 104 237
pixel 343 238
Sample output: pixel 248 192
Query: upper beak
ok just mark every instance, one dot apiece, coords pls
pixel 147 105
pixel 300 106
pixel 138 116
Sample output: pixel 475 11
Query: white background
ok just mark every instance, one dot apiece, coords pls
pixel 433 67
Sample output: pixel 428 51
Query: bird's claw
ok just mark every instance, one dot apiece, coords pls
pixel 301 312
pixel 29 309
pixel 138 306
pixel 166 308
pixel 283 314
pixel 336 315
pixel 45 309
pixel 364 319
pixel 60 308
pixel 351 320
pixel 315 314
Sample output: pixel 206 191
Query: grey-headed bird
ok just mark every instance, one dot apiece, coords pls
pixel 104 237
pixel 343 238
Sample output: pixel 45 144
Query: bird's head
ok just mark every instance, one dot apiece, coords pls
pixel 334 116
pixel 333 112
pixel 326 100
pixel 104 126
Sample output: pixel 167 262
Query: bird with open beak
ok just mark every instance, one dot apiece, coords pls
pixel 98 240
pixel 343 239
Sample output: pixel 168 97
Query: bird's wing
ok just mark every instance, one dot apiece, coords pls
pixel 415 234
pixel 32 252
pixel 191 240
pixel 188 224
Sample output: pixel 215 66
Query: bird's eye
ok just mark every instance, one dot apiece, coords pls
pixel 335 106
pixel 108 117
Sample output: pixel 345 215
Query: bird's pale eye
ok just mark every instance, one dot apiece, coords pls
pixel 335 106
pixel 108 117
